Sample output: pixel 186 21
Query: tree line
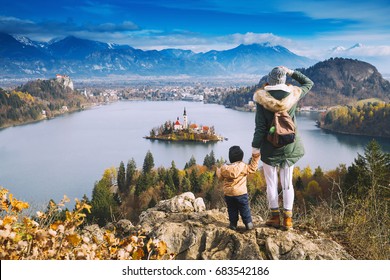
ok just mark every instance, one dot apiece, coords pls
pixel 17 106
pixel 240 96
pixel 370 118
pixel 126 191
pixel 36 100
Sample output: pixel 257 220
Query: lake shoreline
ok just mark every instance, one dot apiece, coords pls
pixel 183 140
pixel 86 106
pixel 352 134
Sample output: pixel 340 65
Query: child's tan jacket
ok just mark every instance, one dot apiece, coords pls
pixel 234 175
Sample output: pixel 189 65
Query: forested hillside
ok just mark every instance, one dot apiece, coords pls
pixel 37 100
pixel 367 117
pixel 340 81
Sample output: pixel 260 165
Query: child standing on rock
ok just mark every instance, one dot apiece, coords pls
pixel 234 186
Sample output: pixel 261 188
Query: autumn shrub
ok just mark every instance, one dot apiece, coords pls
pixel 44 238
pixel 367 227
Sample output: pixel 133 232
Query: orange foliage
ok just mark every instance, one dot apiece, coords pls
pixel 27 238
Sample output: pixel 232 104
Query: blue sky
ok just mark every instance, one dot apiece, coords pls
pixel 306 27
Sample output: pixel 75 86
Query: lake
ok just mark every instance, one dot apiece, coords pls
pixel 68 154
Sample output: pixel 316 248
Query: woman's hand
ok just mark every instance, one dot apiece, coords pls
pixel 287 70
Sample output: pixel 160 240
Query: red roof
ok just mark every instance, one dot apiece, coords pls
pixel 177 122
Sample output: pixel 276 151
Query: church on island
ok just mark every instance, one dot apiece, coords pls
pixel 192 127
pixel 185 131
pixel 178 126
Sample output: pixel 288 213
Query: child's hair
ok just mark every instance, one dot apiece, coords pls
pixel 235 154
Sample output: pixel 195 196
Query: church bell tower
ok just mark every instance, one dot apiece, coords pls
pixel 185 123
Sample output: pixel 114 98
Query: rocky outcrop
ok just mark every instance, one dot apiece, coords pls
pixel 65 81
pixel 192 232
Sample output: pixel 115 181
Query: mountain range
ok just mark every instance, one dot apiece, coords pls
pixel 22 57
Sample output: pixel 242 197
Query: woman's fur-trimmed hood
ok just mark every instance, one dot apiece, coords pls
pixel 264 98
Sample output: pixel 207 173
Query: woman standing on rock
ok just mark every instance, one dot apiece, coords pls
pixel 277 96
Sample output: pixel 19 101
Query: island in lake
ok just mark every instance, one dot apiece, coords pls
pixel 177 131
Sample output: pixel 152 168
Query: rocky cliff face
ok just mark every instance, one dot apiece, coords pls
pixel 194 233
pixel 65 81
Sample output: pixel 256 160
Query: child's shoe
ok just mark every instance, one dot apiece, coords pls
pixel 249 226
pixel 233 227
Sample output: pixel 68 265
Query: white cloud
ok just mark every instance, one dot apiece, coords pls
pixel 252 38
pixel 13 24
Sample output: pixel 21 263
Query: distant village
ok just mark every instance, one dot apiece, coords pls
pixel 204 94
pixel 180 92
pixel 195 93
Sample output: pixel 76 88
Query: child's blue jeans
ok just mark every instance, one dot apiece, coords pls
pixel 238 204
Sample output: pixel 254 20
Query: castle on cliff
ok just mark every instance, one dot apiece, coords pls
pixel 65 80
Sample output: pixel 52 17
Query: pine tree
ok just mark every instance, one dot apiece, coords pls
pixel 121 179
pixel 168 180
pixel 206 161
pixel 318 173
pixel 195 182
pixel 186 184
pixel 209 160
pixel 191 163
pixel 212 158
pixel 377 167
pixel 175 177
pixel 141 184
pixel 369 171
pixel 103 204
pixel 130 172
pixel 148 163
pixel 167 192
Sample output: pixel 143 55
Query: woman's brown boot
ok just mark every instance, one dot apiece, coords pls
pixel 274 220
pixel 287 220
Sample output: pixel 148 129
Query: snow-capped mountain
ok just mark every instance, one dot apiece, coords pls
pixel 346 50
pixel 80 57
